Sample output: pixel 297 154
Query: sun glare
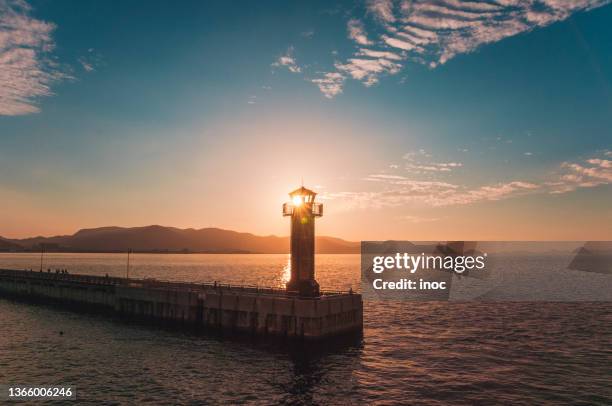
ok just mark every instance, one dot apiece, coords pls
pixel 297 201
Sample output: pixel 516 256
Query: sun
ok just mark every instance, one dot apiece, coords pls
pixel 297 201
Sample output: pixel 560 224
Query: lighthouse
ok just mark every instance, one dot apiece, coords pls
pixel 303 210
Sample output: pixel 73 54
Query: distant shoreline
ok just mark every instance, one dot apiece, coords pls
pixel 170 252
pixel 155 239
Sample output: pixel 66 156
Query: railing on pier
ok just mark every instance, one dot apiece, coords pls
pixel 148 282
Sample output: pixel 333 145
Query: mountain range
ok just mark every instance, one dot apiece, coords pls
pixel 157 238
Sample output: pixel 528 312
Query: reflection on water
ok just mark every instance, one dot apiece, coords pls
pixel 425 353
pixel 287 272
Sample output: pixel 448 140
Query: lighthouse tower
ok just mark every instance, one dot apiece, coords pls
pixel 302 209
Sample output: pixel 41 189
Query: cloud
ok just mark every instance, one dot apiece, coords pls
pixel 380 54
pixel 410 155
pixel 602 163
pixel 91 60
pixel 367 70
pixel 590 173
pixel 288 61
pixel 308 34
pixel 331 84
pixel 383 176
pixel 418 220
pixel 382 10
pixel 434 32
pixel 494 192
pixel 356 32
pixel 398 190
pixel 399 43
pixel 26 71
pixel 419 162
pixel 87 66
pixel 431 193
pixel 434 166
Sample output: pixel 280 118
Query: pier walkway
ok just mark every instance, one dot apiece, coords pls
pixel 250 309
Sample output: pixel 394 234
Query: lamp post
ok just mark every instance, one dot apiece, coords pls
pixel 42 251
pixel 127 270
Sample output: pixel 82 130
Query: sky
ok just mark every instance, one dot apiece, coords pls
pixel 416 120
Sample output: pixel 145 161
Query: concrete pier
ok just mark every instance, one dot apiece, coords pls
pixel 245 309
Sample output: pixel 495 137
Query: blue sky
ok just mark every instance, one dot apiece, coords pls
pixel 433 119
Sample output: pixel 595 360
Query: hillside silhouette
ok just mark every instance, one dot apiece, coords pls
pixel 157 238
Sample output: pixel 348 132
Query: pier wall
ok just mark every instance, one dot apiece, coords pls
pixel 240 309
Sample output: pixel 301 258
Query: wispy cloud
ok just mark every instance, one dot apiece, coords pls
pixel 368 70
pixel 438 193
pixel 90 61
pixel 419 220
pixel 420 162
pixel 434 32
pixel 382 10
pixel 330 84
pixel 357 33
pixel 307 34
pixel 493 192
pixel 403 190
pixel 411 155
pixel 288 60
pixel 393 56
pixel 399 190
pixel 590 173
pixel 434 166
pixel 87 66
pixel 26 70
